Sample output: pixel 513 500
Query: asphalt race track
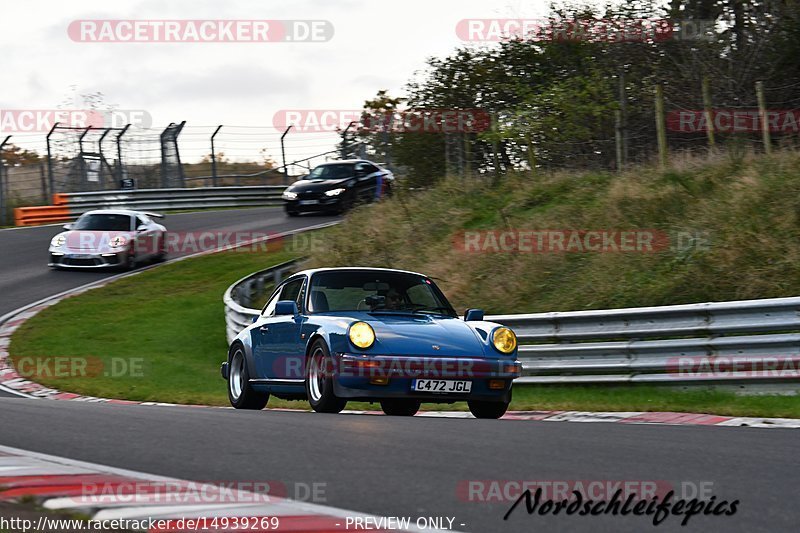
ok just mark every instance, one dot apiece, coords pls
pixel 393 466
pixel 413 466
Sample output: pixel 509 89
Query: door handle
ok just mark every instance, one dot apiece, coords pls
pixel 264 329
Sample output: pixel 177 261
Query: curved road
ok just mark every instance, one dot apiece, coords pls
pixel 395 466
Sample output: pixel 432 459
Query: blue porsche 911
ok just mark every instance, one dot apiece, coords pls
pixel 369 334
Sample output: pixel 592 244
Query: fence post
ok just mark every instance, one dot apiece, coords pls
pixel 762 116
pixel 467 155
pixel 178 154
pixel 661 128
pixel 119 154
pixel 45 197
pixel 495 148
pixel 344 140
pixel 707 110
pixel 3 183
pixel 214 158
pixel 103 159
pixel 618 138
pixel 50 180
pixel 623 107
pixel 283 156
pixel 84 173
pixel 531 153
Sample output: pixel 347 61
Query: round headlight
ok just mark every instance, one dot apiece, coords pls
pixel 362 335
pixel 289 195
pixel 58 240
pixel 504 340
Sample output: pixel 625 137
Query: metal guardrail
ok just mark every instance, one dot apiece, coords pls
pixel 737 342
pixel 172 199
pixel 243 292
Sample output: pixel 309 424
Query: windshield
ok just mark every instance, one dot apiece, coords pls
pixel 332 172
pixel 376 291
pixel 103 222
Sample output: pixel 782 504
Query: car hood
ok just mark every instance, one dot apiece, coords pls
pixel 94 241
pixel 317 185
pixel 417 334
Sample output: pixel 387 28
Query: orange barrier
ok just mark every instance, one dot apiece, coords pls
pixel 35 216
pixel 60 199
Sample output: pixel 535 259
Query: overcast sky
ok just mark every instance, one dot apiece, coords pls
pixel 377 45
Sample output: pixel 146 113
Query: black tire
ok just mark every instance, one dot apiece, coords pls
pixel 161 256
pixel 130 261
pixel 240 393
pixel 319 380
pixel 484 409
pixel 400 407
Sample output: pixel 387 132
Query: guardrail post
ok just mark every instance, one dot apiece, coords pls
pixel 3 183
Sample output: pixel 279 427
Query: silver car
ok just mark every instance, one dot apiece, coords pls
pixel 109 238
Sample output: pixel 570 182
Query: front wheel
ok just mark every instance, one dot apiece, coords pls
pixel 400 407
pixel 240 393
pixel 130 261
pixel 492 410
pixel 319 381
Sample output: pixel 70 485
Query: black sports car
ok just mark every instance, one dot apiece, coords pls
pixel 337 186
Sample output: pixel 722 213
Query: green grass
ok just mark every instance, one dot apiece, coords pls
pixel 167 321
pixel 653 398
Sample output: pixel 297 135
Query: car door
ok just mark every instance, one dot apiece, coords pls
pixel 278 349
pixel 365 181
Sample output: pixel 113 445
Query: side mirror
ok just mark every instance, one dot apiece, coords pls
pixel 473 315
pixel 286 307
pixel 142 228
pixel 67 227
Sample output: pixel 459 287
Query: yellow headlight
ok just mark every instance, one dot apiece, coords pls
pixel 504 340
pixel 362 335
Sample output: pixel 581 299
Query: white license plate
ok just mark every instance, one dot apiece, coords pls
pixel 78 256
pixel 309 202
pixel 441 385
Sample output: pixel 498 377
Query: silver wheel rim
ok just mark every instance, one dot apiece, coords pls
pixel 315 376
pixel 236 376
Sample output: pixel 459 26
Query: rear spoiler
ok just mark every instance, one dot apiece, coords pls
pixel 153 215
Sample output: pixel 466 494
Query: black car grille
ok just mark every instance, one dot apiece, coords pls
pixel 310 195
pixel 80 262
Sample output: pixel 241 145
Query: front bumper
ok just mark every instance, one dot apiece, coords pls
pixel 73 259
pixel 304 205
pixel 356 376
